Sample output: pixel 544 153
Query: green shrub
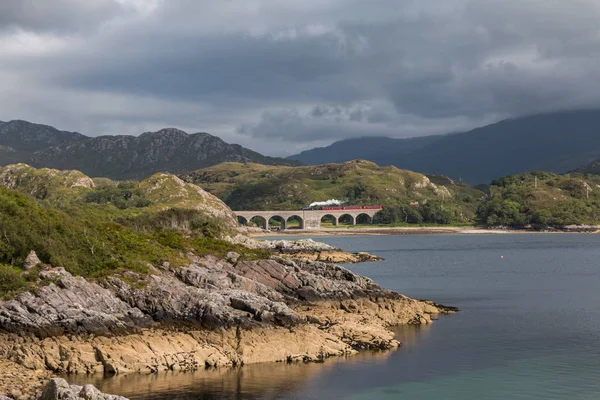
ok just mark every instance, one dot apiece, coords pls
pixel 124 195
pixel 542 199
pixel 96 241
pixel 187 221
pixel 11 281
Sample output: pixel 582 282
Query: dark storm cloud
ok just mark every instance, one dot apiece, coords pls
pixel 297 127
pixel 56 15
pixel 300 72
pixel 232 66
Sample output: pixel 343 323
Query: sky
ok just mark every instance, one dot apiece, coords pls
pixel 282 76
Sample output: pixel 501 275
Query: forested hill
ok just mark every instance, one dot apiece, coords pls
pixel 542 199
pixel 556 142
pixel 416 198
pixel 120 157
pixel 537 199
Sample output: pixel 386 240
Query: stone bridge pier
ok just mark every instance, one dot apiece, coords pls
pixel 309 219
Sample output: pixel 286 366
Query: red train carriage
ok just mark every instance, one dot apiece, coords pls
pixel 352 208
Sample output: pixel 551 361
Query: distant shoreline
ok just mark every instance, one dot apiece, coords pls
pixel 408 231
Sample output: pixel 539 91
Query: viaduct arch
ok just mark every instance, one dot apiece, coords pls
pixel 309 219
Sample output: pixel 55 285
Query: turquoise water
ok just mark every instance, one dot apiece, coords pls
pixel 529 328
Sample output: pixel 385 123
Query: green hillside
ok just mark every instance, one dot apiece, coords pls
pixel 97 229
pixel 156 193
pixel 542 199
pixel 258 187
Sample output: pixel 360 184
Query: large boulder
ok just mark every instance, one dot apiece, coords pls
pixel 31 261
pixel 59 389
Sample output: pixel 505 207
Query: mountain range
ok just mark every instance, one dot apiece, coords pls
pixel 120 157
pixel 556 142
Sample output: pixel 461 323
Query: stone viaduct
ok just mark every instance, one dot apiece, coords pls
pixel 309 219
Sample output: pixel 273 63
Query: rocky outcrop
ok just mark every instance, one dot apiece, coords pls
pixel 44 183
pixel 211 313
pixel 281 245
pixel 59 389
pixel 18 382
pixel 305 249
pixel 68 305
pixel 335 256
pixel 31 261
pixel 170 191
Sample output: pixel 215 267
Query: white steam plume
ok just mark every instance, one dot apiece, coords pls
pixel 327 203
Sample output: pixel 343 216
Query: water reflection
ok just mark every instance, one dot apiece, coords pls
pixel 411 335
pixel 258 381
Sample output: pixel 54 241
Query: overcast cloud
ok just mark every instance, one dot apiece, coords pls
pixel 281 76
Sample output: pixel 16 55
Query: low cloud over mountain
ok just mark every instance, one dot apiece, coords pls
pixel 281 77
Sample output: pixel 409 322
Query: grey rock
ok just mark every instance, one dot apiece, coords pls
pixel 283 246
pixel 69 304
pixel 31 261
pixel 209 292
pixel 59 389
pixel 90 392
pixel 232 256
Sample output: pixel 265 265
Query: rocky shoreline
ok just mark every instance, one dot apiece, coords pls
pixel 212 313
pixel 59 389
pixel 306 250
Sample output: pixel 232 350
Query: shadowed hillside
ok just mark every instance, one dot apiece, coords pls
pixel 556 142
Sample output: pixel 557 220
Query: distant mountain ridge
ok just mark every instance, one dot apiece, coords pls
pixel 593 168
pixel 120 157
pixel 24 135
pixel 556 142
pixel 366 148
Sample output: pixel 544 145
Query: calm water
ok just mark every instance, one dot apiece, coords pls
pixel 529 328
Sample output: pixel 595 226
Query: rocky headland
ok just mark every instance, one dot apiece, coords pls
pixel 212 313
pixel 306 250
pixel 140 277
